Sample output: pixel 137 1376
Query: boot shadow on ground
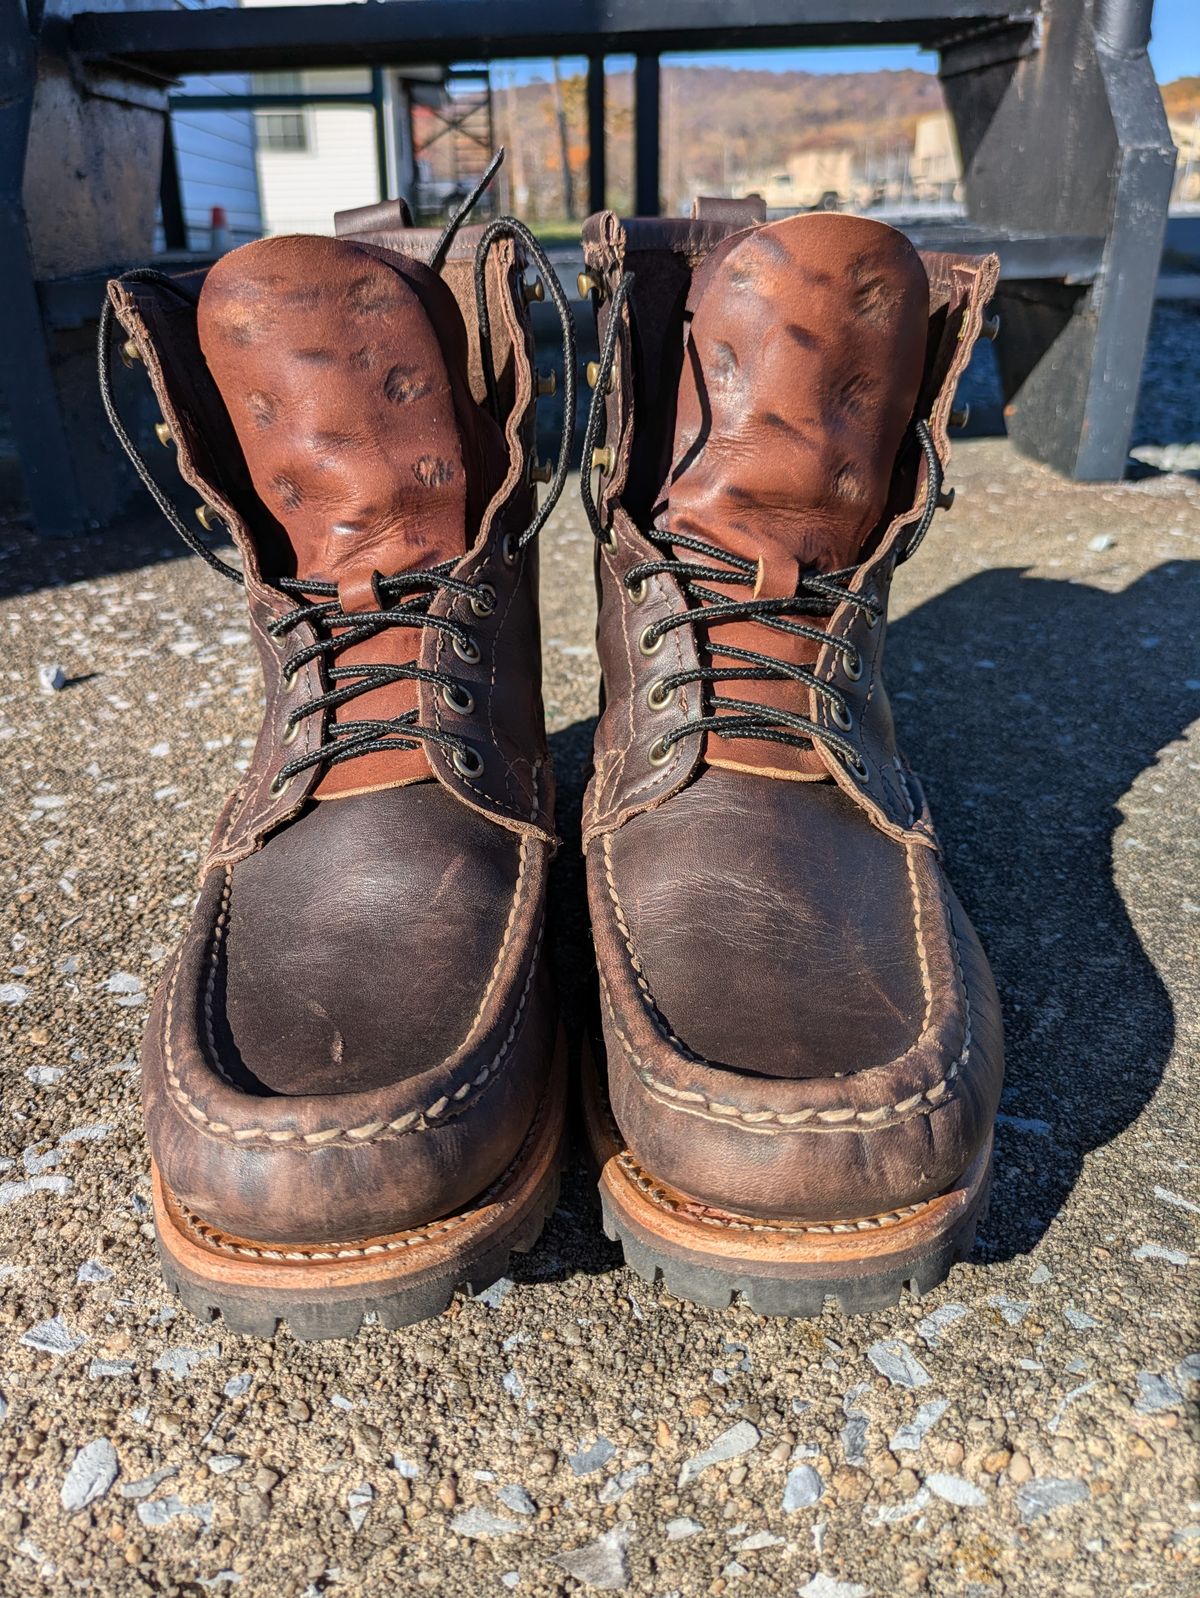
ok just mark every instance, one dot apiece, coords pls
pixel 1029 707
pixel 1035 705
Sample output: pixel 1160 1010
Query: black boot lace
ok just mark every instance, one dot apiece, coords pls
pixel 403 600
pixel 818 595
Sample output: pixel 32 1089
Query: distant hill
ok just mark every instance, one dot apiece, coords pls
pixel 721 126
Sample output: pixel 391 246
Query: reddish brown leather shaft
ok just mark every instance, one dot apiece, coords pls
pixel 344 369
pixel 803 362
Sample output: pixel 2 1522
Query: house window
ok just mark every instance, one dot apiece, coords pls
pixel 281 130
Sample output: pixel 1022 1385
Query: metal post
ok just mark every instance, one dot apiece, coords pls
pixel 1123 26
pixel 379 105
pixel 170 195
pixel 647 116
pixel 597 154
pixel 26 374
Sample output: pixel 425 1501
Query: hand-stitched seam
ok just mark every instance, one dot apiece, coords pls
pixel 504 941
pixel 654 1192
pixel 771 1120
pixel 359 1136
pixel 643 984
pixel 213 1238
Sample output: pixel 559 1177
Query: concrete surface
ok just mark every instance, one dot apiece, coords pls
pixel 1026 1429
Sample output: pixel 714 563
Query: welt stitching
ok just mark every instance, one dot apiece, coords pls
pixel 213 1238
pixel 653 1191
pixel 370 1132
pixel 759 1120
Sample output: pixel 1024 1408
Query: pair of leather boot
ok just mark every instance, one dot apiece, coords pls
pixel 354 1073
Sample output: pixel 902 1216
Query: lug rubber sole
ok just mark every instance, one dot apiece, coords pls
pixel 326 1291
pixel 778 1267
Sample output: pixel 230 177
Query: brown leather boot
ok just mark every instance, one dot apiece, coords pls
pixel 802 1035
pixel 353 1074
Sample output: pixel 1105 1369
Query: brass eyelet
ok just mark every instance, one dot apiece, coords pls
pixel 840 716
pixel 467 762
pixel 290 729
pixel 468 651
pixel 856 768
pixel 659 696
pixel 458 699
pixel 852 665
pixel 280 782
pixel 483 600
pixel 648 645
pixel 636 590
pixel 608 539
pixel 290 676
pixel 873 620
pixel 509 549
pixel 659 752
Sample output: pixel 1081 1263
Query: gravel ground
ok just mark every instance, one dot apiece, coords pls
pixel 1025 1429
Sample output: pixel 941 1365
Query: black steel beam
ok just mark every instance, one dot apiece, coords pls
pixel 27 384
pixel 597 150
pixel 170 193
pixel 647 113
pixel 417 32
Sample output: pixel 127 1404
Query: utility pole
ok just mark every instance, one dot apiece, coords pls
pixel 560 112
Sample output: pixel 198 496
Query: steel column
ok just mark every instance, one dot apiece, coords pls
pixel 1123 26
pixel 647 114
pixel 170 195
pixel 26 373
pixel 597 151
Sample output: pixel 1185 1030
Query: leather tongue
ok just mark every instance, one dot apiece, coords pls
pixel 344 370
pixel 804 359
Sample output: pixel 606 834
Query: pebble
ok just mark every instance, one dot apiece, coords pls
pixel 358 1502
pixel 495 1295
pixel 515 1497
pixel 931 1328
pixel 1039 1497
pixel 853 1436
pixel 53 1337
pixel 823 1586
pixel 895 1514
pixel 757 1540
pixel 592 1458
pixel 802 1489
pixel 895 1361
pixel 604 1563
pixel 909 1437
pixel 181 1362
pixel 144 1487
pixel 737 1440
pixel 1155 1251
pixel 682 1527
pixel 92 1473
pixel 1078 1319
pixel 1019 1469
pixel 617 1486
pixel 92 1272
pixel 160 1511
pixel 955 1490
pixel 1014 1310
pixel 1156 1392
pixel 51 678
